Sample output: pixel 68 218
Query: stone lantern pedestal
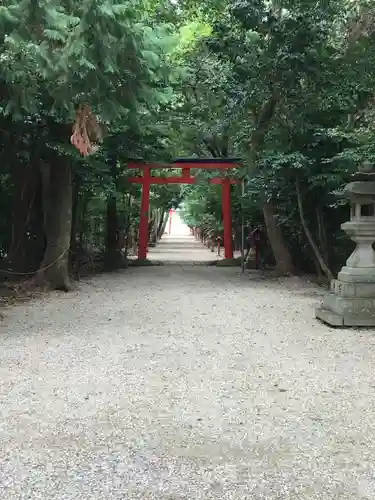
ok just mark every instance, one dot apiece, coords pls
pixel 351 301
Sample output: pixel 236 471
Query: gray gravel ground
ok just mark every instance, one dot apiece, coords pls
pixel 182 382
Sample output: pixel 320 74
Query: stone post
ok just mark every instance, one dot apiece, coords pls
pixel 351 301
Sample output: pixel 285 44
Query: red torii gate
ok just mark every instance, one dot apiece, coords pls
pixel 186 164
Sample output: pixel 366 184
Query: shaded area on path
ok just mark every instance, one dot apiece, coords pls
pixel 184 383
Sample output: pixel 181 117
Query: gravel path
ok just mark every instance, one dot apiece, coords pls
pixel 184 382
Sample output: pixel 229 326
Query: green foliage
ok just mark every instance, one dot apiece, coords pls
pixel 286 86
pixel 292 93
pixel 57 55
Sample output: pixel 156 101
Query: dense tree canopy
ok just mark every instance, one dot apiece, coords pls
pixel 86 87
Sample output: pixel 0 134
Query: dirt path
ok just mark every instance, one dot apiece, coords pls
pixel 184 382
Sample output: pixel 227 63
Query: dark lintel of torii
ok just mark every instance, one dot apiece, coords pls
pixel 191 162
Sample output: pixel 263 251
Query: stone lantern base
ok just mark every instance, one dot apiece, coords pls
pixel 349 304
pixel 352 298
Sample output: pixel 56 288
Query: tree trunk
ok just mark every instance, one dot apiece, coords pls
pixel 82 219
pixel 21 254
pixel 57 206
pixel 80 254
pixel 284 263
pixel 151 229
pixel 113 257
pixel 157 224
pixel 128 230
pixel 37 229
pixel 309 236
pixel 318 270
pixel 73 230
pixel 281 253
pixel 283 259
pixel 322 234
pixel 163 223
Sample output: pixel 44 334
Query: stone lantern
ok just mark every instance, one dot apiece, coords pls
pixel 351 301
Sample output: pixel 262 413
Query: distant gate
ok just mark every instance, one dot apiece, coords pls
pixel 186 164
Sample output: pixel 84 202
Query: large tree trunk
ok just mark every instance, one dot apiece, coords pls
pixel 23 254
pixel 281 253
pixel 309 235
pixel 82 219
pixel 113 257
pixel 78 251
pixel 283 259
pixel 284 263
pixel 57 205
pixel 73 230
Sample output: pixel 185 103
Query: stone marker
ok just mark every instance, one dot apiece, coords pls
pixel 351 301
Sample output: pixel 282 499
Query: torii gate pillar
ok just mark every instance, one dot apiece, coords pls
pixel 227 218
